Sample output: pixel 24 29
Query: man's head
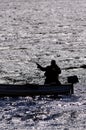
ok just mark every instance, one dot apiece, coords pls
pixel 53 62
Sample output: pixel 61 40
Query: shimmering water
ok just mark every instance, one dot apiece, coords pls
pixel 38 31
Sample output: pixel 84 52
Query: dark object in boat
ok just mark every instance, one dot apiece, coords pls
pixel 35 89
pixel 72 79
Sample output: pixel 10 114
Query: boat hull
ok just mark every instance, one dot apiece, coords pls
pixel 34 89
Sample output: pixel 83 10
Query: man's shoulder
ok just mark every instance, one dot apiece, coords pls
pixel 48 67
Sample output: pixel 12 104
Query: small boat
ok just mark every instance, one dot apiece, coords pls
pixel 35 89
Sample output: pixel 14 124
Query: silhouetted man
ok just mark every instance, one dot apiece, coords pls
pixel 51 73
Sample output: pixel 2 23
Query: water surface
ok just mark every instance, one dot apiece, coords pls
pixel 38 31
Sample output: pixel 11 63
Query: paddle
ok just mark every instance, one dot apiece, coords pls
pixel 68 68
pixel 83 66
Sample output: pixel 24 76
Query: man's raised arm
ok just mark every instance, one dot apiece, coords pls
pixel 40 67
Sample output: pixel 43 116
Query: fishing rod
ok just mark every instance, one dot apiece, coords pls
pixel 68 68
